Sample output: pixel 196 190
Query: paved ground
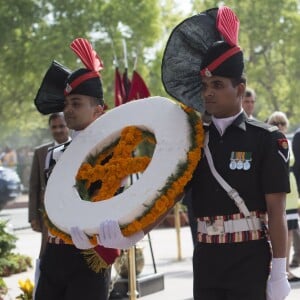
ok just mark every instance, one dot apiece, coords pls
pixel 177 273
pixel 173 260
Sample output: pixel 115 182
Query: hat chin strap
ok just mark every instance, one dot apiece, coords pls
pixel 206 72
pixel 84 77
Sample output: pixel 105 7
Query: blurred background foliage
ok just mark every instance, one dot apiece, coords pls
pixel 35 32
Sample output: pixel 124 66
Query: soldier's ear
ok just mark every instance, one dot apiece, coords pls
pixel 241 88
pixel 99 110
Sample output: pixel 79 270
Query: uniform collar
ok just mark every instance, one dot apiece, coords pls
pixel 57 144
pixel 240 121
pixel 224 123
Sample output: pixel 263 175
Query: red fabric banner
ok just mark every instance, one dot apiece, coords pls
pixel 119 89
pixel 138 89
pixel 126 86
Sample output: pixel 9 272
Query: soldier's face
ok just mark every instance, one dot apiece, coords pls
pixel 80 111
pixel 221 98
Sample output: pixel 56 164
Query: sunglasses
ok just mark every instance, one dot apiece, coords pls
pixel 279 123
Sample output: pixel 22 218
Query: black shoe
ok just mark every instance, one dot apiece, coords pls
pixel 294 279
pixel 294 264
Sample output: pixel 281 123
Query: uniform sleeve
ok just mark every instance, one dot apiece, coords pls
pixel 275 163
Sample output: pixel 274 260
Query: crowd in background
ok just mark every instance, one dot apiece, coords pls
pixel 19 160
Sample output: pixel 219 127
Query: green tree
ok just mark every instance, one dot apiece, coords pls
pixel 37 32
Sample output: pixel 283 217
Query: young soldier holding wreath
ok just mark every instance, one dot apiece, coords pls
pixel 88 215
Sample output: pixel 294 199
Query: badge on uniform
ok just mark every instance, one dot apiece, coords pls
pixel 240 160
pixel 283 149
pixel 215 227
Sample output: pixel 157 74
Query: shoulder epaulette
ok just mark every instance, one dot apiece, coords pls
pixel 262 125
pixel 206 126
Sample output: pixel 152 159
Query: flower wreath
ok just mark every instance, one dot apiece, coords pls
pixel 100 176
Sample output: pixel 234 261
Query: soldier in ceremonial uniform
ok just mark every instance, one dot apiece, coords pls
pixel 64 272
pixel 240 184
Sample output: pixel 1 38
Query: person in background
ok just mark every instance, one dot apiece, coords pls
pixel 233 195
pixel 60 134
pixel 9 158
pixel 295 262
pixel 280 120
pixel 37 182
pixel 25 156
pixel 248 102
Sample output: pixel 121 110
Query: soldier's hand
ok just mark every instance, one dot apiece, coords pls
pixel 80 239
pixel 278 286
pixel 110 236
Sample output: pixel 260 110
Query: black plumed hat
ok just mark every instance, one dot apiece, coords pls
pixel 85 81
pixel 202 45
pixel 87 84
pixel 232 66
pixel 50 96
pixel 59 81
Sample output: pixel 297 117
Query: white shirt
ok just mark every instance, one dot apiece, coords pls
pixel 222 123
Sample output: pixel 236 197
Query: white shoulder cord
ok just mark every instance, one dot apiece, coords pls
pixel 232 193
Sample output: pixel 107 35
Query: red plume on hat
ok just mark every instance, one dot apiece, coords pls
pixel 87 54
pixel 93 63
pixel 228 25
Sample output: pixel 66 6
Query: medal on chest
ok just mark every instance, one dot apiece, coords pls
pixel 240 160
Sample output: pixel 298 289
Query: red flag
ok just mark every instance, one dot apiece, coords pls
pixel 119 89
pixel 126 86
pixel 138 89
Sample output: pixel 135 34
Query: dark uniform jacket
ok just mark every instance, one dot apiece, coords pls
pixel 252 157
pixel 37 182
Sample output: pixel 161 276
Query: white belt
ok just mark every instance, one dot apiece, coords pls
pixel 220 226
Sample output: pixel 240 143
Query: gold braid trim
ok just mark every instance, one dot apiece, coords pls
pixel 94 260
